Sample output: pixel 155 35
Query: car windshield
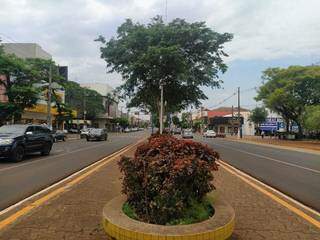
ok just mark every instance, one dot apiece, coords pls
pixel 9 129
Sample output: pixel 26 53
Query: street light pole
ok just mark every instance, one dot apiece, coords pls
pixel 49 120
pixel 84 108
pixel 161 108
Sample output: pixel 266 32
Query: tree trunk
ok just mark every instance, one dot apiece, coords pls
pixel 287 125
pixel 300 134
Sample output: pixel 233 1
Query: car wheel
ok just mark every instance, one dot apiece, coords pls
pixel 17 154
pixel 46 149
pixel 88 140
pixel 64 139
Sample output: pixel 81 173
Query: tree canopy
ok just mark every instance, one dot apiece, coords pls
pixel 288 91
pixel 258 115
pixel 83 99
pixel 311 118
pixel 181 56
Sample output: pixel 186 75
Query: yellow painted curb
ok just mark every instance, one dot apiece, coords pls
pixel 75 178
pixel 126 228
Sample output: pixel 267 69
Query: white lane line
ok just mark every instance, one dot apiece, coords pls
pixel 271 159
pixel 123 149
pixel 51 157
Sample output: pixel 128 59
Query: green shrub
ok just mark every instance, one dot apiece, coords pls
pixel 167 177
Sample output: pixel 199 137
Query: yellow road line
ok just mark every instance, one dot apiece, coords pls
pixel 273 197
pixel 12 218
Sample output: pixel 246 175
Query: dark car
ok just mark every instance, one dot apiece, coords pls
pixel 17 140
pixel 97 134
pixel 59 135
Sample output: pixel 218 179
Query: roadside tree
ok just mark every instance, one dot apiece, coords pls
pixel 288 91
pixel 258 115
pixel 179 55
pixel 83 99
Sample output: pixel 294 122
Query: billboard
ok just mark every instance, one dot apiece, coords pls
pixel 270 124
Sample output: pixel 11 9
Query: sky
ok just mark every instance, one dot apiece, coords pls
pixel 273 33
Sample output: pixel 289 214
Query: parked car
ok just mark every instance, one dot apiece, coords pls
pixel 18 139
pixel 209 134
pixel 187 133
pixel 59 135
pixel 73 130
pixel 127 130
pixel 97 134
pixel 177 131
pixel 135 129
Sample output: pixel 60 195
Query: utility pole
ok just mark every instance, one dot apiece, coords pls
pixel 49 120
pixel 232 128
pixel 161 108
pixel 84 108
pixel 240 126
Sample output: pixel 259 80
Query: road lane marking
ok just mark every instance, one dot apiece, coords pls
pixel 271 159
pixel 250 181
pixel 79 176
pixel 52 157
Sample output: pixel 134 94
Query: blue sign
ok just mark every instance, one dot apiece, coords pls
pixel 270 124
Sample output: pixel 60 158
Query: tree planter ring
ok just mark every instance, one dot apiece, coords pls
pixel 119 226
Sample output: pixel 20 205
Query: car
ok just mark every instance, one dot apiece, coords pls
pixel 59 135
pixel 209 134
pixel 134 129
pixel 127 130
pixel 73 130
pixel 187 133
pixel 97 134
pixel 84 132
pixel 176 131
pixel 18 139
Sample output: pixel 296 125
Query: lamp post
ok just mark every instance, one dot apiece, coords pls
pixel 161 108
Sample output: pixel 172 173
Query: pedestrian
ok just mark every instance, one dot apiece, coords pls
pixel 262 134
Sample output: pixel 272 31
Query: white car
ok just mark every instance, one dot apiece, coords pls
pixel 127 130
pixel 209 134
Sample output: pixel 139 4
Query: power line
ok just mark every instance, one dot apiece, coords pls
pixel 224 100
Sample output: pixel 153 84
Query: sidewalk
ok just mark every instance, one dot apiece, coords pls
pixel 298 144
pixel 76 213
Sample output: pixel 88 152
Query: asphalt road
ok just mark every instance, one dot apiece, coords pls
pixel 294 173
pixel 20 180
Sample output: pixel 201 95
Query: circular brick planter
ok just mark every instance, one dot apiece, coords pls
pixel 119 226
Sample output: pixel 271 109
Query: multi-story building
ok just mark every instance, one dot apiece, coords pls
pixel 26 50
pixel 38 113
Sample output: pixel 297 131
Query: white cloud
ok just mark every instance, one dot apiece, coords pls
pixel 262 29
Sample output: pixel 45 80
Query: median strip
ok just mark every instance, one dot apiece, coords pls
pixel 76 178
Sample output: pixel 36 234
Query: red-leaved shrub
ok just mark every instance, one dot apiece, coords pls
pixel 166 175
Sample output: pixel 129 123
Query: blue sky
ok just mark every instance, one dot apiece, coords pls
pixel 266 34
pixel 247 75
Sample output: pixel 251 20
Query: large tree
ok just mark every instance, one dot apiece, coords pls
pixel 311 118
pixel 288 91
pixel 258 115
pixel 179 55
pixel 83 99
pixel 19 79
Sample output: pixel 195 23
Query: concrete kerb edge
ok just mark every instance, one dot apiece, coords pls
pixel 302 150
pixel 121 231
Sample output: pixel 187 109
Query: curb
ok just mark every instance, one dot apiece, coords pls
pixel 302 150
pixel 119 226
